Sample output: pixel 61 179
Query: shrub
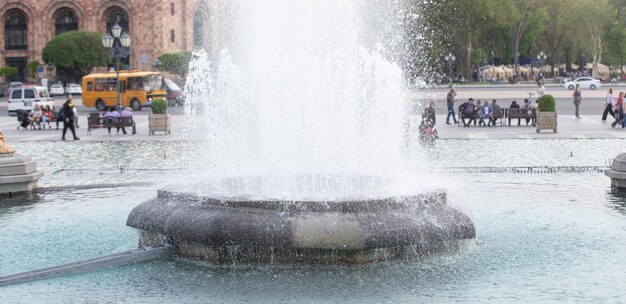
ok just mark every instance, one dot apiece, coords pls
pixel 8 71
pixel 175 63
pixel 547 103
pixel 159 106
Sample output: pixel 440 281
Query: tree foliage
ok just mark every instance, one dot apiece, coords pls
pixel 616 44
pixel 175 63
pixel 589 19
pixel 565 30
pixel 31 68
pixel 7 72
pixel 77 52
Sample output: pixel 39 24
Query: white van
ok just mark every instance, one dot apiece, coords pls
pixel 25 98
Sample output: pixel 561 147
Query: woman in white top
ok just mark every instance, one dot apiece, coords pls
pixel 608 107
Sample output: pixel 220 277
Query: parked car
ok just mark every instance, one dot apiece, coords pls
pixel 174 93
pixel 57 89
pixel 74 89
pixel 25 98
pixel 584 82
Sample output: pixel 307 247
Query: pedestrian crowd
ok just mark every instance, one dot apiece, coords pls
pixel 615 108
pixel 43 117
pixel 484 113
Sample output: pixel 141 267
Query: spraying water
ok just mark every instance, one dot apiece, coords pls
pixel 297 95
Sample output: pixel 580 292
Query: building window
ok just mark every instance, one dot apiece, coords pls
pixel 172 9
pixel 198 29
pixel 172 36
pixel 66 21
pixel 15 31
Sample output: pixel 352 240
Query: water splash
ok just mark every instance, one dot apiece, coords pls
pixel 297 94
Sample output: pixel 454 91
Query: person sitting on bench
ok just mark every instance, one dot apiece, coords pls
pixel 111 118
pixel 469 113
pixel 127 112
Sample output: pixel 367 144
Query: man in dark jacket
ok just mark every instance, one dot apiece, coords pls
pixel 469 112
pixel 68 114
pixel 450 103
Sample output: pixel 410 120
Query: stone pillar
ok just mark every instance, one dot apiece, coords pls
pixel 617 173
pixel 18 173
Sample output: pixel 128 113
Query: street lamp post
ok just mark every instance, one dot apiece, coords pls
pixel 450 59
pixel 540 58
pixel 117 52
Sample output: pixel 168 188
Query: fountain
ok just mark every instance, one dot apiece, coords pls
pixel 18 173
pixel 300 135
pixel 556 231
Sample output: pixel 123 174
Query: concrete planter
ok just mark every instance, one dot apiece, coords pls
pixel 546 121
pixel 160 123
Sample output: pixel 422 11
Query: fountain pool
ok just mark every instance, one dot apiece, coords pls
pixel 540 237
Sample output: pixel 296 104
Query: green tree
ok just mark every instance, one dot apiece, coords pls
pixel 77 52
pixel 525 23
pixel 31 69
pixel 459 27
pixel 175 63
pixel 616 44
pixel 7 72
pixel 589 19
pixel 551 38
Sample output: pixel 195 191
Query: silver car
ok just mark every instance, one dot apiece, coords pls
pixel 584 82
pixel 57 89
pixel 74 89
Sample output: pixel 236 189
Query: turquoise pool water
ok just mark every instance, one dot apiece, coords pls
pixel 540 237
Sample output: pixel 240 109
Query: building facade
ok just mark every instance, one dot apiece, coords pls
pixel 155 26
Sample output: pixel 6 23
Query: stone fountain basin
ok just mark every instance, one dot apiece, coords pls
pixel 212 226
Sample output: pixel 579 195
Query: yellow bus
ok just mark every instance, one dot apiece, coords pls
pixel 137 89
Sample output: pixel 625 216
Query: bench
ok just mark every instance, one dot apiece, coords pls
pixel 95 121
pixel 470 117
pixel 498 114
pixel 519 114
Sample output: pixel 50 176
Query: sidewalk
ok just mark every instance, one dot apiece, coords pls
pixel 486 85
pixel 8 125
pixel 590 126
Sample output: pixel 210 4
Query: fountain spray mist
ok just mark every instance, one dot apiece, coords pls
pixel 297 94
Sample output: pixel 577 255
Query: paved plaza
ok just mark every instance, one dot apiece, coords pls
pixel 590 126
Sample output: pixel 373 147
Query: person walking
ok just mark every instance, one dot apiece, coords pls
pixel 622 121
pixel 541 89
pixel 608 106
pixel 450 100
pixel 619 113
pixel 75 117
pixel 68 114
pixel 577 100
